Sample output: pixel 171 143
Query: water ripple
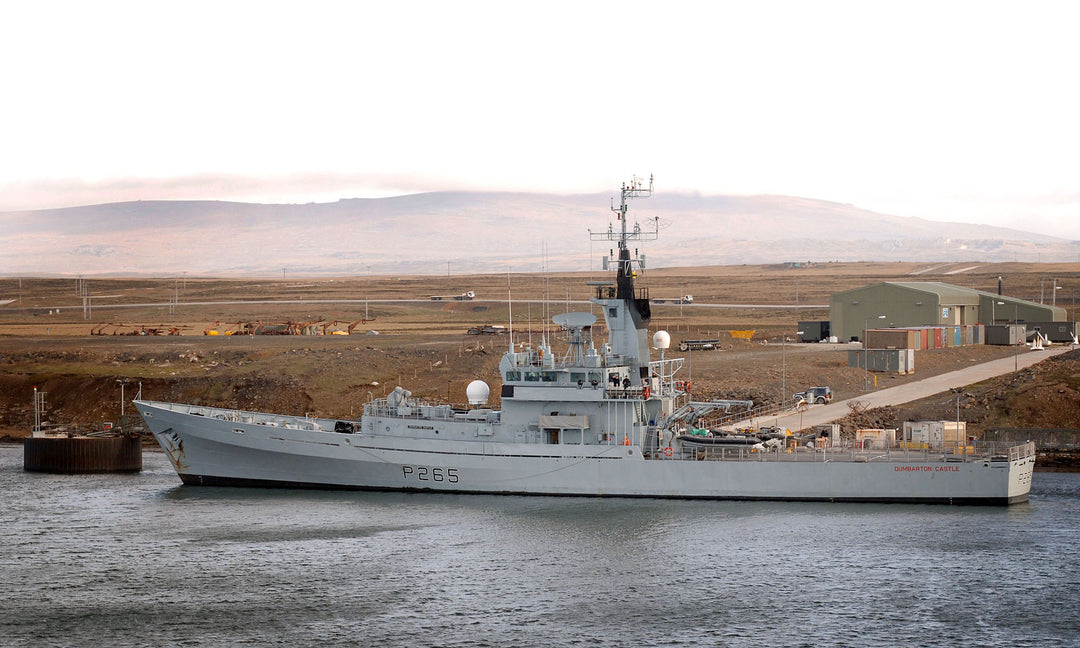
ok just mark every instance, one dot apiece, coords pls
pixel 138 560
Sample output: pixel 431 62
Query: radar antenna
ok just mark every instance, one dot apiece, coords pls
pixel 573 324
pixel 634 189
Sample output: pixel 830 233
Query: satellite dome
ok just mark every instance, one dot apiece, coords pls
pixel 477 392
pixel 661 340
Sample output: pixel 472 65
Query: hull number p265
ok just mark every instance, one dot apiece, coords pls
pixel 426 473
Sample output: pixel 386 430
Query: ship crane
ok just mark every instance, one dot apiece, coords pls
pixel 691 412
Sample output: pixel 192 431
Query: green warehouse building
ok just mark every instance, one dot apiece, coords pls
pixel 928 303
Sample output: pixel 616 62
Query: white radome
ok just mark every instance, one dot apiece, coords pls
pixel 477 392
pixel 661 340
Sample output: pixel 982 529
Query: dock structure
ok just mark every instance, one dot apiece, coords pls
pixel 82 454
pixel 56 450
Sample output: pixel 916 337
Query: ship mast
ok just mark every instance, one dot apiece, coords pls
pixel 634 189
pixel 625 263
pixel 629 321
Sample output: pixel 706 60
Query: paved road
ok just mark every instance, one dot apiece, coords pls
pixel 820 414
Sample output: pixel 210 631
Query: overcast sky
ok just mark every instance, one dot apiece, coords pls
pixel 960 111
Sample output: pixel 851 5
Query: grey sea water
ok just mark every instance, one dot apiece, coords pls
pixel 140 560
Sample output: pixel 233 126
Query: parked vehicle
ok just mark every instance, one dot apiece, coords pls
pixel 465 296
pixel 818 395
pixel 685 299
pixel 698 345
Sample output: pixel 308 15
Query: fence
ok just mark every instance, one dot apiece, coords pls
pixel 1044 438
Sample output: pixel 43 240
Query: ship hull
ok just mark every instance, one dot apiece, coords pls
pixel 306 453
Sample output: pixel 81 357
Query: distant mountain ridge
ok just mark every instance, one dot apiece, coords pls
pixel 480 232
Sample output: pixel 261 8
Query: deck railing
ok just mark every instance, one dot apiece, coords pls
pixel 1022 451
pixel 415 410
pixel 850 454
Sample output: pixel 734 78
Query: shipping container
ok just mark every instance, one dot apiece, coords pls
pixel 900 361
pixel 1006 334
pixel 934 434
pixel 1055 331
pixel 813 331
pixel 892 339
pixel 878 438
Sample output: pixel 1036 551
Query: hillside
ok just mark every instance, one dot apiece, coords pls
pixel 466 232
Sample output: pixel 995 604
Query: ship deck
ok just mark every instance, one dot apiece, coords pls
pixel 988 453
pixel 742 453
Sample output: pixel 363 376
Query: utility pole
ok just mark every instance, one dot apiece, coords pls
pixel 783 368
pixel 1016 347
pixel 122 381
pixel 958 391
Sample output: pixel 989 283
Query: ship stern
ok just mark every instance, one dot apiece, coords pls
pixel 1021 469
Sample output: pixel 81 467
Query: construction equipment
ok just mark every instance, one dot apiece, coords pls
pixel 487 329
pixel 362 320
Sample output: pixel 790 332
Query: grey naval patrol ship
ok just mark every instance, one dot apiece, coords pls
pixel 607 422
